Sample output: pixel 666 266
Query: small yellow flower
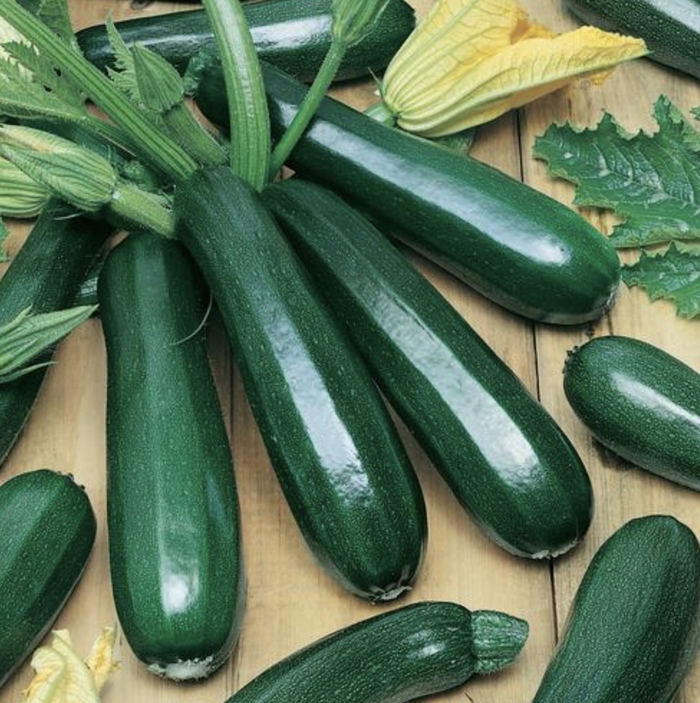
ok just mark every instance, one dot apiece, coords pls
pixel 62 677
pixel 470 61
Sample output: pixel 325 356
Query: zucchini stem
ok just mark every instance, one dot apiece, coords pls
pixel 130 206
pixel 147 140
pixel 309 105
pixel 245 91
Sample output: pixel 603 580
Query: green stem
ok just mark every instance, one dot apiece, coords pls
pixel 381 113
pixel 149 143
pixel 309 105
pixel 250 122
pixel 131 206
pixel 187 131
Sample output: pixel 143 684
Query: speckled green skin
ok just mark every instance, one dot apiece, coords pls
pixel 48 528
pixel 292 34
pixel 670 28
pixel 45 274
pixel 640 402
pixel 331 441
pixel 515 245
pixel 634 627
pixel 395 657
pixel 501 453
pixel 172 510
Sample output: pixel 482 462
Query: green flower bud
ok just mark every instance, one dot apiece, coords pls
pixel 73 173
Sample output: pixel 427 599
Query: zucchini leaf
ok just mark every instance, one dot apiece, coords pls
pixel 159 92
pixel 651 182
pixel 671 275
pixel 27 336
pixel 145 140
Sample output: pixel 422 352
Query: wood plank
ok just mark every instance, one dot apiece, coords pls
pixel 290 600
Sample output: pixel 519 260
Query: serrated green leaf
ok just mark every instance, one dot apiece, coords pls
pixel 54 14
pixel 672 275
pixel 652 181
pixel 44 73
pixel 160 85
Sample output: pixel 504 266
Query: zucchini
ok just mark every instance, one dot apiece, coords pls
pixel 46 274
pixel 292 34
pixel 49 528
pixel 397 656
pixel 172 506
pixel 633 629
pixel 640 402
pixel 518 247
pixel 670 28
pixel 529 490
pixel 337 455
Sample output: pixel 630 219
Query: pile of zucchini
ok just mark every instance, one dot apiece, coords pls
pixel 333 329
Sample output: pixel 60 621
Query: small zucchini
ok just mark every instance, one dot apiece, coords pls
pixel 633 629
pixel 292 34
pixel 172 507
pixel 500 452
pixel 46 274
pixel 397 656
pixel 670 28
pixel 49 530
pixel 640 402
pixel 331 441
pixel 515 245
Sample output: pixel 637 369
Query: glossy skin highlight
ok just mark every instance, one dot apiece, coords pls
pixel 295 36
pixel 501 453
pixel 513 244
pixel 172 507
pixel 337 455
pixel 640 402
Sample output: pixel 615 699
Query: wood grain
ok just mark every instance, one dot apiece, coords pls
pixel 290 601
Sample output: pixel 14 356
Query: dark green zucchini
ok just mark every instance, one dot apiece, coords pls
pixel 670 28
pixel 398 656
pixel 48 529
pixel 172 508
pixel 336 453
pixel 46 274
pixel 515 245
pixel 633 629
pixel 292 34
pixel 500 452
pixel 640 402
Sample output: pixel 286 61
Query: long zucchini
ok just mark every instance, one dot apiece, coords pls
pixel 640 402
pixel 331 441
pixel 48 529
pixel 670 28
pixel 172 508
pixel 46 274
pixel 515 245
pixel 292 34
pixel 398 656
pixel 500 452
pixel 633 629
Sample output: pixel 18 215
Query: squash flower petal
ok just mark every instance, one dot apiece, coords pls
pixel 470 61
pixel 62 677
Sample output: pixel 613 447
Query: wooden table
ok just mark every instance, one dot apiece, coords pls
pixel 290 601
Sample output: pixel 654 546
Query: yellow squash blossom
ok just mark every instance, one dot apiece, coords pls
pixel 62 677
pixel 470 61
